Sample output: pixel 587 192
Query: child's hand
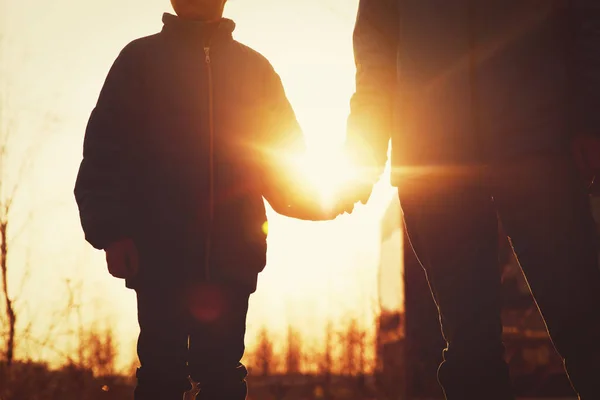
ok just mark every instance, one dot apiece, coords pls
pixel 122 259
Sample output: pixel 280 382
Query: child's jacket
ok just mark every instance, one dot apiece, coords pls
pixel 186 138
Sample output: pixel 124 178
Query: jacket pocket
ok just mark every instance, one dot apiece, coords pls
pixel 240 239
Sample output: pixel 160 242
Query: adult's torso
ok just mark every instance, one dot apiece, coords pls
pixel 480 80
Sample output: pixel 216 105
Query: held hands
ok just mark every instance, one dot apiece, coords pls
pixel 320 187
pixel 122 259
pixel 357 186
pixel 350 194
pixel 345 184
pixel 310 203
pixel 341 186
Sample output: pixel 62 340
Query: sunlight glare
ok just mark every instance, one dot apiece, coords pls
pixel 327 172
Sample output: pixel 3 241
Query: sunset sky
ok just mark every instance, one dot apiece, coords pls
pixel 56 54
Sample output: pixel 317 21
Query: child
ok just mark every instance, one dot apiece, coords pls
pixel 190 131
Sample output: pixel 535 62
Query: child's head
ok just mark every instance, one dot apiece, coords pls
pixel 199 9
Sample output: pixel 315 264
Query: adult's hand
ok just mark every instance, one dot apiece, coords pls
pixel 122 259
pixel 586 150
pixel 367 165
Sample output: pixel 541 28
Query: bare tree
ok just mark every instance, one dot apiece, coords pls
pixel 326 364
pixel 293 358
pixel 15 162
pixel 7 195
pixel 8 302
pixel 264 355
pixel 101 351
pixel 354 342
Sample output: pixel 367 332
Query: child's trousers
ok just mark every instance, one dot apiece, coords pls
pixel 191 330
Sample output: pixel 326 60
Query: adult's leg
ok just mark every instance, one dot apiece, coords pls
pixel 452 226
pixel 546 213
pixel 217 340
pixel 162 344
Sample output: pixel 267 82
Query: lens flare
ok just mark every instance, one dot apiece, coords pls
pixel 328 173
pixel 206 301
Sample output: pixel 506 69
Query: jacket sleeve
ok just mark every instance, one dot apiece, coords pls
pixel 370 122
pixel 284 187
pixel 101 181
pixel 586 65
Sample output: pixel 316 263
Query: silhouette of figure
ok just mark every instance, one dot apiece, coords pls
pixel 191 130
pixel 482 102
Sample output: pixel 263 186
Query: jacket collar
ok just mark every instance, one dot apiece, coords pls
pixel 213 32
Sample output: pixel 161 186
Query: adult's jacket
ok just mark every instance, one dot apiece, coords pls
pixel 470 82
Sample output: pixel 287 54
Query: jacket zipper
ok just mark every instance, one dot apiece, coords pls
pixel 211 190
